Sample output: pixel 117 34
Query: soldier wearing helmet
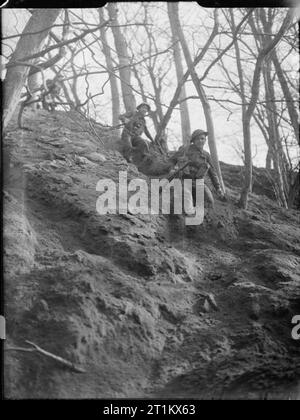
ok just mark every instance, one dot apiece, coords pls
pixel 199 163
pixel 135 126
pixel 50 97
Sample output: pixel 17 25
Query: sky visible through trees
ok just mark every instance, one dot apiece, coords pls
pixel 147 33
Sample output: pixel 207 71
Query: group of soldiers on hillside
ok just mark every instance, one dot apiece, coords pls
pixel 189 162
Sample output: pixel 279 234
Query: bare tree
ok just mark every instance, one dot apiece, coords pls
pixel 282 166
pixel 40 24
pixel 291 104
pixel 173 11
pixel 124 61
pixel 115 98
pixel 147 68
pixel 274 136
pixel 175 99
pixel 33 86
pixel 184 112
pixel 263 53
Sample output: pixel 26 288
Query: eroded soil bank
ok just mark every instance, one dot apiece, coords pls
pixel 147 307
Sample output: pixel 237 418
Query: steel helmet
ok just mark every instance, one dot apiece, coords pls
pixel 197 133
pixel 144 104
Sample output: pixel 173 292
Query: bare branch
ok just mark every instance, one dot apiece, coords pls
pixel 60 44
pixel 228 46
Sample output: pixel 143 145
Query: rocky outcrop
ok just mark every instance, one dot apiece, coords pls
pixel 144 305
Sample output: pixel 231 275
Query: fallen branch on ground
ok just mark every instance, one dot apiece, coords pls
pixel 59 359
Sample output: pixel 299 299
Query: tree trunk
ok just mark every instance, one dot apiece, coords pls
pixel 287 95
pixel 294 190
pixel 269 160
pixel 200 91
pixel 124 62
pixel 274 132
pixel 33 86
pixel 27 45
pixel 157 94
pixel 279 159
pixel 252 104
pixel 245 121
pixel 291 105
pixel 243 202
pixel 174 101
pixel 184 112
pixel 115 98
pixel 152 114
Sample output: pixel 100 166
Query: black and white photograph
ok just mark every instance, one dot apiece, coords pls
pixel 150 203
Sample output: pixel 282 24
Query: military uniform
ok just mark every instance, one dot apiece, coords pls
pixel 131 134
pixel 54 89
pixel 199 166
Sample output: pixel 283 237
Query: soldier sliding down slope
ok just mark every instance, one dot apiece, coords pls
pixel 135 126
pixel 196 164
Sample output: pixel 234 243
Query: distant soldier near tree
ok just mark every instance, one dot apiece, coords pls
pixel 52 94
pixel 135 126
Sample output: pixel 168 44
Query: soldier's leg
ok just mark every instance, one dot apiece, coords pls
pixel 189 206
pixel 141 151
pixel 126 146
pixel 141 145
pixel 208 197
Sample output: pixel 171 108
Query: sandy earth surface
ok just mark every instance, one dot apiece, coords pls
pixel 146 306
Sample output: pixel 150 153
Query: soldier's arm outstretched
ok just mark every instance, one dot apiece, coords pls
pixel 213 176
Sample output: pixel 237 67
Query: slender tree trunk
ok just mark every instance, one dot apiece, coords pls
pixel 74 84
pixel 27 45
pixel 263 53
pixel 243 202
pixel 184 112
pixel 279 159
pixel 175 99
pixel 269 160
pixel 115 98
pixel 33 85
pixel 291 106
pixel 245 118
pixel 171 107
pixel 274 132
pixel 157 93
pixel 294 190
pixel 200 91
pixel 152 114
pixel 124 62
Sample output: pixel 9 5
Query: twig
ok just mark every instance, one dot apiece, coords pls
pixel 46 29
pixel 234 35
pixel 59 44
pixel 93 130
pixel 59 359
pixel 19 349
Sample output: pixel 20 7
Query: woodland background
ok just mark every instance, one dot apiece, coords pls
pixel 232 71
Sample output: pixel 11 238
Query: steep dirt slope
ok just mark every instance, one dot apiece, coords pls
pixel 147 307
